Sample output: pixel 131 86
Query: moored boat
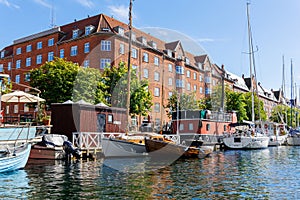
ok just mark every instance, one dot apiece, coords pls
pixel 245 137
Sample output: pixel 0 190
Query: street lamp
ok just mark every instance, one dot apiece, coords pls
pixel 2 76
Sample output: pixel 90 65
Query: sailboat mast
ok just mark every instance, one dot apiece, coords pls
pixel 129 71
pixel 283 77
pixel 292 88
pixel 250 62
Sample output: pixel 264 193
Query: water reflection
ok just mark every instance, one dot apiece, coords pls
pixel 272 173
pixel 14 185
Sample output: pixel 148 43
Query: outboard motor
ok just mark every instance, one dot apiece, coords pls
pixel 71 150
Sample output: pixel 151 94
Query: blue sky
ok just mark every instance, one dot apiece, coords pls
pixel 217 26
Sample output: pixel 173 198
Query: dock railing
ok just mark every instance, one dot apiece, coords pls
pixel 90 140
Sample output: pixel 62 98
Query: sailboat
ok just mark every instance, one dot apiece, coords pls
pixel 293 138
pixel 244 135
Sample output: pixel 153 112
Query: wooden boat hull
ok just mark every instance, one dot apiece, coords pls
pixel 50 153
pixel 246 142
pixel 15 160
pixel 166 149
pixel 122 148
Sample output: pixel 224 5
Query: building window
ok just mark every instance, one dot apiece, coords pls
pixel 200 78
pixel 28 48
pixel 27 77
pixel 62 53
pixel 39 45
pixel 17 79
pixel 122 48
pixel 88 30
pixel 207 91
pixel 207 79
pixel 170 94
pixel 28 62
pixel 201 90
pixel 50 42
pixel 146 73
pixel 207 127
pixel 9 66
pixel 18 64
pixel 19 51
pixel 2 54
pixel 156 61
pixel 156 92
pixel 191 126
pixel 157 107
pixel 179 83
pixel 187 61
pixel 145 57
pixel 74 51
pixel 1 68
pixel 170 67
pixel 195 87
pixel 134 53
pixel 179 70
pixel 105 62
pixel 75 33
pixel 188 86
pixel 87 47
pixel 188 74
pixel 105 45
pixel 156 76
pixel 50 56
pixel 195 76
pixel 214 82
pixel 170 81
pixel 86 63
pixel 38 59
pixel 7 110
pixel 181 127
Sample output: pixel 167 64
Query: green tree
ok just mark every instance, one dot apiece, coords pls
pixel 286 114
pixel 182 101
pixel 61 80
pixel 115 78
pixel 235 101
pixel 257 114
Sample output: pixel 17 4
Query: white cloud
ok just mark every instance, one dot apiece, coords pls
pixel 43 3
pixel 86 3
pixel 206 40
pixel 8 4
pixel 120 12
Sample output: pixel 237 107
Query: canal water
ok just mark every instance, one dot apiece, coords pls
pixel 272 173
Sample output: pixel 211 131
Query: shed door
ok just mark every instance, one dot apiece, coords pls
pixel 101 122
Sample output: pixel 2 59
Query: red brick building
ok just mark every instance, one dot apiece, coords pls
pixel 100 41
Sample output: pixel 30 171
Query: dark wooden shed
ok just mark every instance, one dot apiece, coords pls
pixel 67 118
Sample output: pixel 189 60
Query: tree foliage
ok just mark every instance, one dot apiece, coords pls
pixel 235 101
pixel 286 114
pixel 259 112
pixel 182 101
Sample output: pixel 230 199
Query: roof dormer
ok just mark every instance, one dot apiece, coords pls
pixel 89 29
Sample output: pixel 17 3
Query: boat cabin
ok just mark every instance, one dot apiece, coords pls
pixel 203 122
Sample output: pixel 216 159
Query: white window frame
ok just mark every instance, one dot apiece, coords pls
pixel 86 63
pixel 29 48
pixel 50 42
pixel 39 45
pixel 134 53
pixel 9 66
pixel 146 73
pixel 105 45
pixel 156 60
pixel 87 47
pixel 105 62
pixel 62 53
pixel 28 61
pixel 170 81
pixel 17 78
pixel 145 57
pixel 74 51
pixel 156 92
pixel 18 64
pixel 75 33
pixel 50 56
pixel 122 48
pixel 19 50
pixel 156 76
pixel 170 67
pixel 39 59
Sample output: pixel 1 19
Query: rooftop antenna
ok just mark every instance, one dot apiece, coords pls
pixel 52 19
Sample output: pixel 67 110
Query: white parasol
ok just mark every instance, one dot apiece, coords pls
pixel 20 97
